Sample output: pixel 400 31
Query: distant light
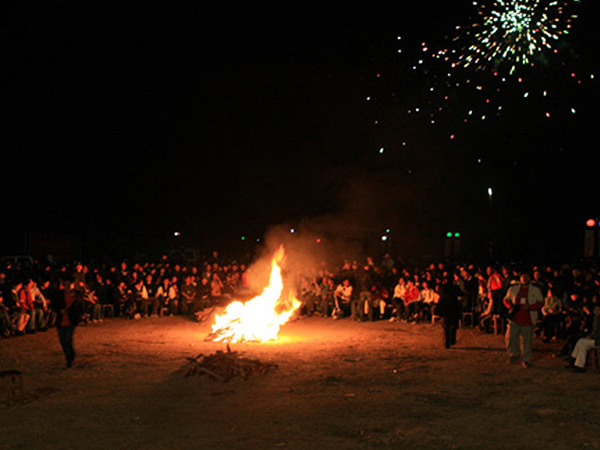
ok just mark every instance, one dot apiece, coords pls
pixel 292 230
pixel 384 238
pixel 381 150
pixel 318 240
pixel 490 192
pixel 177 234
pixel 591 223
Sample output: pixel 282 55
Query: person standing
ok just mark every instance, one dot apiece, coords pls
pixel 449 309
pixel 69 308
pixel 523 301
pixel 495 289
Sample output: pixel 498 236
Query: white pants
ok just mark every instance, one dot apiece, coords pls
pixel 519 341
pixel 582 347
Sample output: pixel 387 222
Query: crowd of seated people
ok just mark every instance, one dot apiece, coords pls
pixel 128 291
pixel 390 291
pixel 367 291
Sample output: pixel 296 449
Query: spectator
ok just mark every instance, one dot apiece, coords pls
pixel 585 344
pixel 362 305
pixel 326 304
pixel 378 304
pixel 6 325
pixel 398 300
pixel 429 300
pixel 495 289
pixel 153 302
pixel 411 301
pixel 188 296
pixel 37 321
pixel 19 313
pixel 140 299
pixel 550 316
pixel 342 299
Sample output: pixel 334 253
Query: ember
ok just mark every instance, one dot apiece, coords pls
pixel 224 366
pixel 259 319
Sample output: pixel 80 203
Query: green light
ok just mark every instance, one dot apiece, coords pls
pixel 456 235
pixel 243 238
pixel 449 234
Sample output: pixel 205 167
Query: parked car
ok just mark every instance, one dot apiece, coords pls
pixel 20 260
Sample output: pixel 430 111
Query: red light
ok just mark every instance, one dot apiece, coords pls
pixel 591 223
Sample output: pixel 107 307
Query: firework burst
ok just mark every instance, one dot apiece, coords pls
pixel 512 33
pixel 512 58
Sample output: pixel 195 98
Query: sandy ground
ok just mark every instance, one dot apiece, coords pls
pixel 339 385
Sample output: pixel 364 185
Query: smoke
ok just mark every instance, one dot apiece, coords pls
pixel 367 206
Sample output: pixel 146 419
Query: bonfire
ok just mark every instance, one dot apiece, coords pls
pixel 260 318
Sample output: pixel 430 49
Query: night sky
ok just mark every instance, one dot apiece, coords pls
pixel 222 121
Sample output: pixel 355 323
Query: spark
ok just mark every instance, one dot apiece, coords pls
pixel 499 57
pixel 513 33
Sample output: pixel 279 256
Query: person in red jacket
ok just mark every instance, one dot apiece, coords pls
pixel 411 301
pixel 523 301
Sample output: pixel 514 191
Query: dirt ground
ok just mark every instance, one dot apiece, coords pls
pixel 339 385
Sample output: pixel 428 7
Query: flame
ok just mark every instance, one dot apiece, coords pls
pixel 258 319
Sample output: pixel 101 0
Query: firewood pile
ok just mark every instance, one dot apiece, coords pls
pixel 224 366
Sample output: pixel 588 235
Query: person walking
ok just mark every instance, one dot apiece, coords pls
pixel 69 308
pixel 523 301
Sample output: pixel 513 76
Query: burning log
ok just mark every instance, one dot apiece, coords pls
pixel 224 366
pixel 259 318
pixel 201 316
pixel 224 333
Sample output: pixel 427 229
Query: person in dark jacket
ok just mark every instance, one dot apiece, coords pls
pixel 69 308
pixel 449 309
